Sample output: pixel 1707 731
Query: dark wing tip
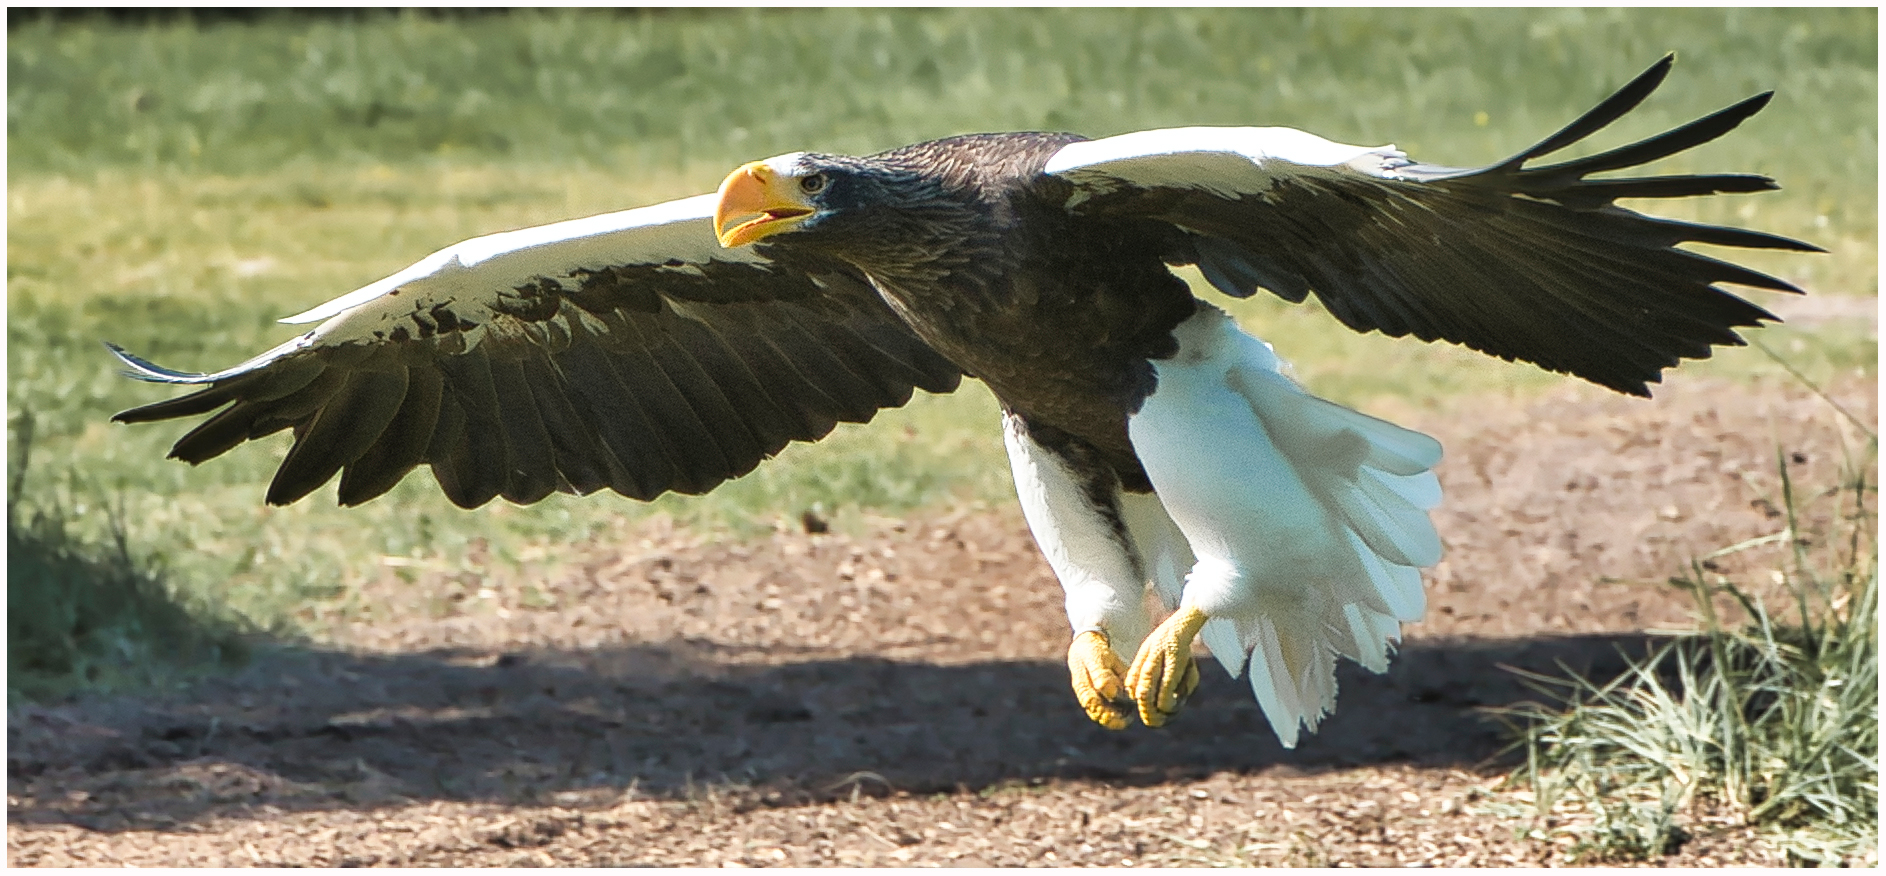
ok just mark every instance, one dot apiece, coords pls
pixel 1733 115
pixel 1607 111
pixel 1776 241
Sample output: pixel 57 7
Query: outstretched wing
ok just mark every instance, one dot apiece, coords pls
pixel 1530 263
pixel 627 351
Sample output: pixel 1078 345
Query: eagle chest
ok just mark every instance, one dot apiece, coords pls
pixel 1065 346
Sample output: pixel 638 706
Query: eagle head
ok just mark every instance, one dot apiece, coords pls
pixel 877 212
pixel 769 197
pixel 833 195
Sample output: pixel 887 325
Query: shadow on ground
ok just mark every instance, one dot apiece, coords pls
pixel 307 729
pixel 921 656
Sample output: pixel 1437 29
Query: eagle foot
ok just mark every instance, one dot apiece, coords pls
pixel 1096 673
pixel 1163 672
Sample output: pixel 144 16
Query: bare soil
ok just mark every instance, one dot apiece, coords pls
pixel 898 695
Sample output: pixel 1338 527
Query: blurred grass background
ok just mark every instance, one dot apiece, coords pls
pixel 175 185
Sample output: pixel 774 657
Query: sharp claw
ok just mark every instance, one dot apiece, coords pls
pixel 1108 684
pixel 1163 673
pixel 1169 696
pixel 1095 672
pixel 1106 715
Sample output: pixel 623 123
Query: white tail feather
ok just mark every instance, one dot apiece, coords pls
pixel 1332 447
pixel 1220 634
pixel 1398 586
pixel 1372 631
pixel 1163 553
pixel 1309 520
pixel 1422 490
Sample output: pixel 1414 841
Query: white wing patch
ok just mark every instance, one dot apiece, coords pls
pixel 462 285
pixel 641 236
pixel 1224 161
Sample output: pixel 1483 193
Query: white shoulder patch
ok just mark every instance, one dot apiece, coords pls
pixel 1222 160
pixel 676 231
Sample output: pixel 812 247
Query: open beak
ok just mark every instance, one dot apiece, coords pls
pixel 757 201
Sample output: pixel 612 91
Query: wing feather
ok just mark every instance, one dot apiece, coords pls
pixel 485 466
pixel 684 438
pixel 627 351
pixel 771 426
pixel 806 347
pixel 240 422
pixel 533 473
pixel 583 464
pixel 465 479
pixel 216 436
pixel 812 411
pixel 1607 111
pixel 1523 263
pixel 724 429
pixel 340 432
pixel 403 444
pixel 836 354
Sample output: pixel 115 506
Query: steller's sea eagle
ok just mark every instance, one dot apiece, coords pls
pixel 1153 443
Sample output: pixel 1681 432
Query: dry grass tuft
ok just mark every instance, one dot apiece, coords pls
pixel 1767 715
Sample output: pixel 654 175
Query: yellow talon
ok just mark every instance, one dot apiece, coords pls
pixel 1096 672
pixel 1163 672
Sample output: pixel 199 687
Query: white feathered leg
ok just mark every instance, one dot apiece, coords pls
pixel 1309 521
pixel 1077 520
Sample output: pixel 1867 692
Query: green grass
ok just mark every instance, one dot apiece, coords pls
pixel 1772 721
pixel 176 187
pixel 94 615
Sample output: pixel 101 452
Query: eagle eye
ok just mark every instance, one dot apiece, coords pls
pixel 812 183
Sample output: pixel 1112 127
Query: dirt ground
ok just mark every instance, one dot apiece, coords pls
pixel 898 696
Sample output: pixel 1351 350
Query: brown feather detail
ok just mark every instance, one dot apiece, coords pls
pixel 678 429
pixel 636 378
pixel 1516 279
pixel 770 425
pixel 481 459
pixel 244 422
pixel 345 426
pixel 706 404
pixel 583 462
pixel 643 468
pixel 257 386
pixel 402 445
pixel 800 396
pixel 466 480
pixel 533 474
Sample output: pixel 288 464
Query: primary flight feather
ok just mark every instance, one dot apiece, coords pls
pixel 1153 443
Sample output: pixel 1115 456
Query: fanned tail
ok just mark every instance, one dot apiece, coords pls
pixel 1309 519
pixel 1378 478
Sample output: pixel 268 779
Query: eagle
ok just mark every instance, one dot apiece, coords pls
pixel 1154 444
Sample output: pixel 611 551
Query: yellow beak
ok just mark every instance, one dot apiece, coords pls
pixel 755 202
